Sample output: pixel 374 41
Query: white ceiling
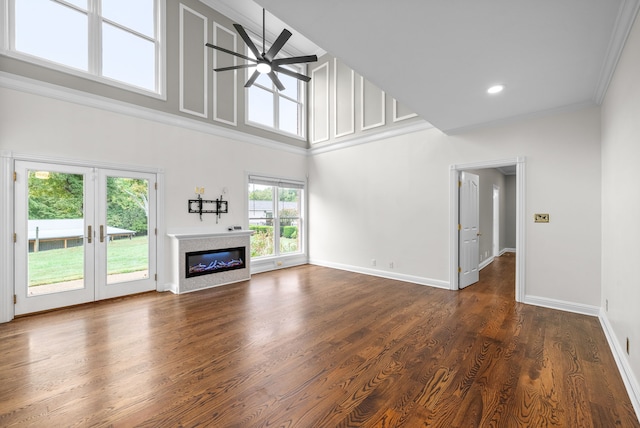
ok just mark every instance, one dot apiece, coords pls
pixel 439 57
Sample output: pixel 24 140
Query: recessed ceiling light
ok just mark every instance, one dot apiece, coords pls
pixel 495 89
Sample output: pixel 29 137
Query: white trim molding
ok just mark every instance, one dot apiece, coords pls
pixel 363 107
pixel 371 137
pixel 576 308
pixel 205 71
pixel 217 27
pixel 626 372
pixel 401 118
pixel 351 107
pixel 36 87
pixel 6 238
pixel 436 283
pixel 315 95
pixel 624 21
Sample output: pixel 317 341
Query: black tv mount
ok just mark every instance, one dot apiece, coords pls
pixel 208 206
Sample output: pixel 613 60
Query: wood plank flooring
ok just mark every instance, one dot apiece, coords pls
pixel 313 347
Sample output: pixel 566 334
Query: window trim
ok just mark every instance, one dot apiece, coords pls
pixel 7 48
pixel 278 182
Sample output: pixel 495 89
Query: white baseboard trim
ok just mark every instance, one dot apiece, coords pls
pixel 485 263
pixel 562 305
pixel 384 274
pixel 507 250
pixel 630 382
pixel 275 264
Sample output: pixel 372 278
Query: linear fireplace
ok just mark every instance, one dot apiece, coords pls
pixel 213 261
pixel 189 272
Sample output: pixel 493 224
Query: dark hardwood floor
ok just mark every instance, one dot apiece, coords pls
pixel 313 347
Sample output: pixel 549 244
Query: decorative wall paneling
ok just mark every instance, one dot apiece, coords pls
pixel 319 110
pixel 225 84
pixel 400 112
pixel 193 62
pixel 343 100
pixel 372 102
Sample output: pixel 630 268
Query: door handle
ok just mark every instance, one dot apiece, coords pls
pixel 89 234
pixel 101 233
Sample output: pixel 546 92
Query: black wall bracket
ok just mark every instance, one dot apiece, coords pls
pixel 208 206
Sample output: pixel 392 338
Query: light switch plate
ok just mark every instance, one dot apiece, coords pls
pixel 541 218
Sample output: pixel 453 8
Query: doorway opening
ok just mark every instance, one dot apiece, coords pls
pixel 455 173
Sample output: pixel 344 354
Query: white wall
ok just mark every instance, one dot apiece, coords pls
pixel 36 125
pixel 621 204
pixel 389 200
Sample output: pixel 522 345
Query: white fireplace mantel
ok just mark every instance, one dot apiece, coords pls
pixel 203 235
pixel 183 242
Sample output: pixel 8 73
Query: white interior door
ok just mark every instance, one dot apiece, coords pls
pixel 469 219
pixel 82 234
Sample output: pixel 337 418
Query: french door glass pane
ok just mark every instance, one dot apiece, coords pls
pixel 127 229
pixel 66 31
pixel 261 220
pixel 56 228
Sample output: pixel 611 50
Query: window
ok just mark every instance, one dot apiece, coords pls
pixel 277 110
pixel 113 39
pixel 275 216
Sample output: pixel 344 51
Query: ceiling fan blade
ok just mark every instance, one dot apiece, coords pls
pixel 234 67
pixel 276 81
pixel 291 73
pixel 247 40
pixel 277 45
pixel 295 60
pixel 252 79
pixel 231 52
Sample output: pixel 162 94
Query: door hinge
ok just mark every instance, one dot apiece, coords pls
pixel 15 299
pixel 459 269
pixel 15 237
pixel 459 183
pixel 155 231
pixel 459 226
pixel 155 277
pixel 155 185
pixel 15 176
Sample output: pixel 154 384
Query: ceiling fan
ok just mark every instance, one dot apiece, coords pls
pixel 266 62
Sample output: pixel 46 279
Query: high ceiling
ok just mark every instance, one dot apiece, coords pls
pixel 439 57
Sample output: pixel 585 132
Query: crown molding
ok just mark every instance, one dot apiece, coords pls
pixel 624 22
pixel 36 87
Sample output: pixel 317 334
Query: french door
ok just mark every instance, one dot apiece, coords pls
pixel 82 234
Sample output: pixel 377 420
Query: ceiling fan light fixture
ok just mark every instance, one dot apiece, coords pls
pixel 495 89
pixel 263 68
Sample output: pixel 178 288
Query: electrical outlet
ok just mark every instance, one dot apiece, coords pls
pixel 541 218
pixel 606 305
pixel 627 346
pixel 373 262
pixel 391 265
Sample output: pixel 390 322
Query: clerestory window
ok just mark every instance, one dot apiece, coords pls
pixel 281 111
pixel 115 41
